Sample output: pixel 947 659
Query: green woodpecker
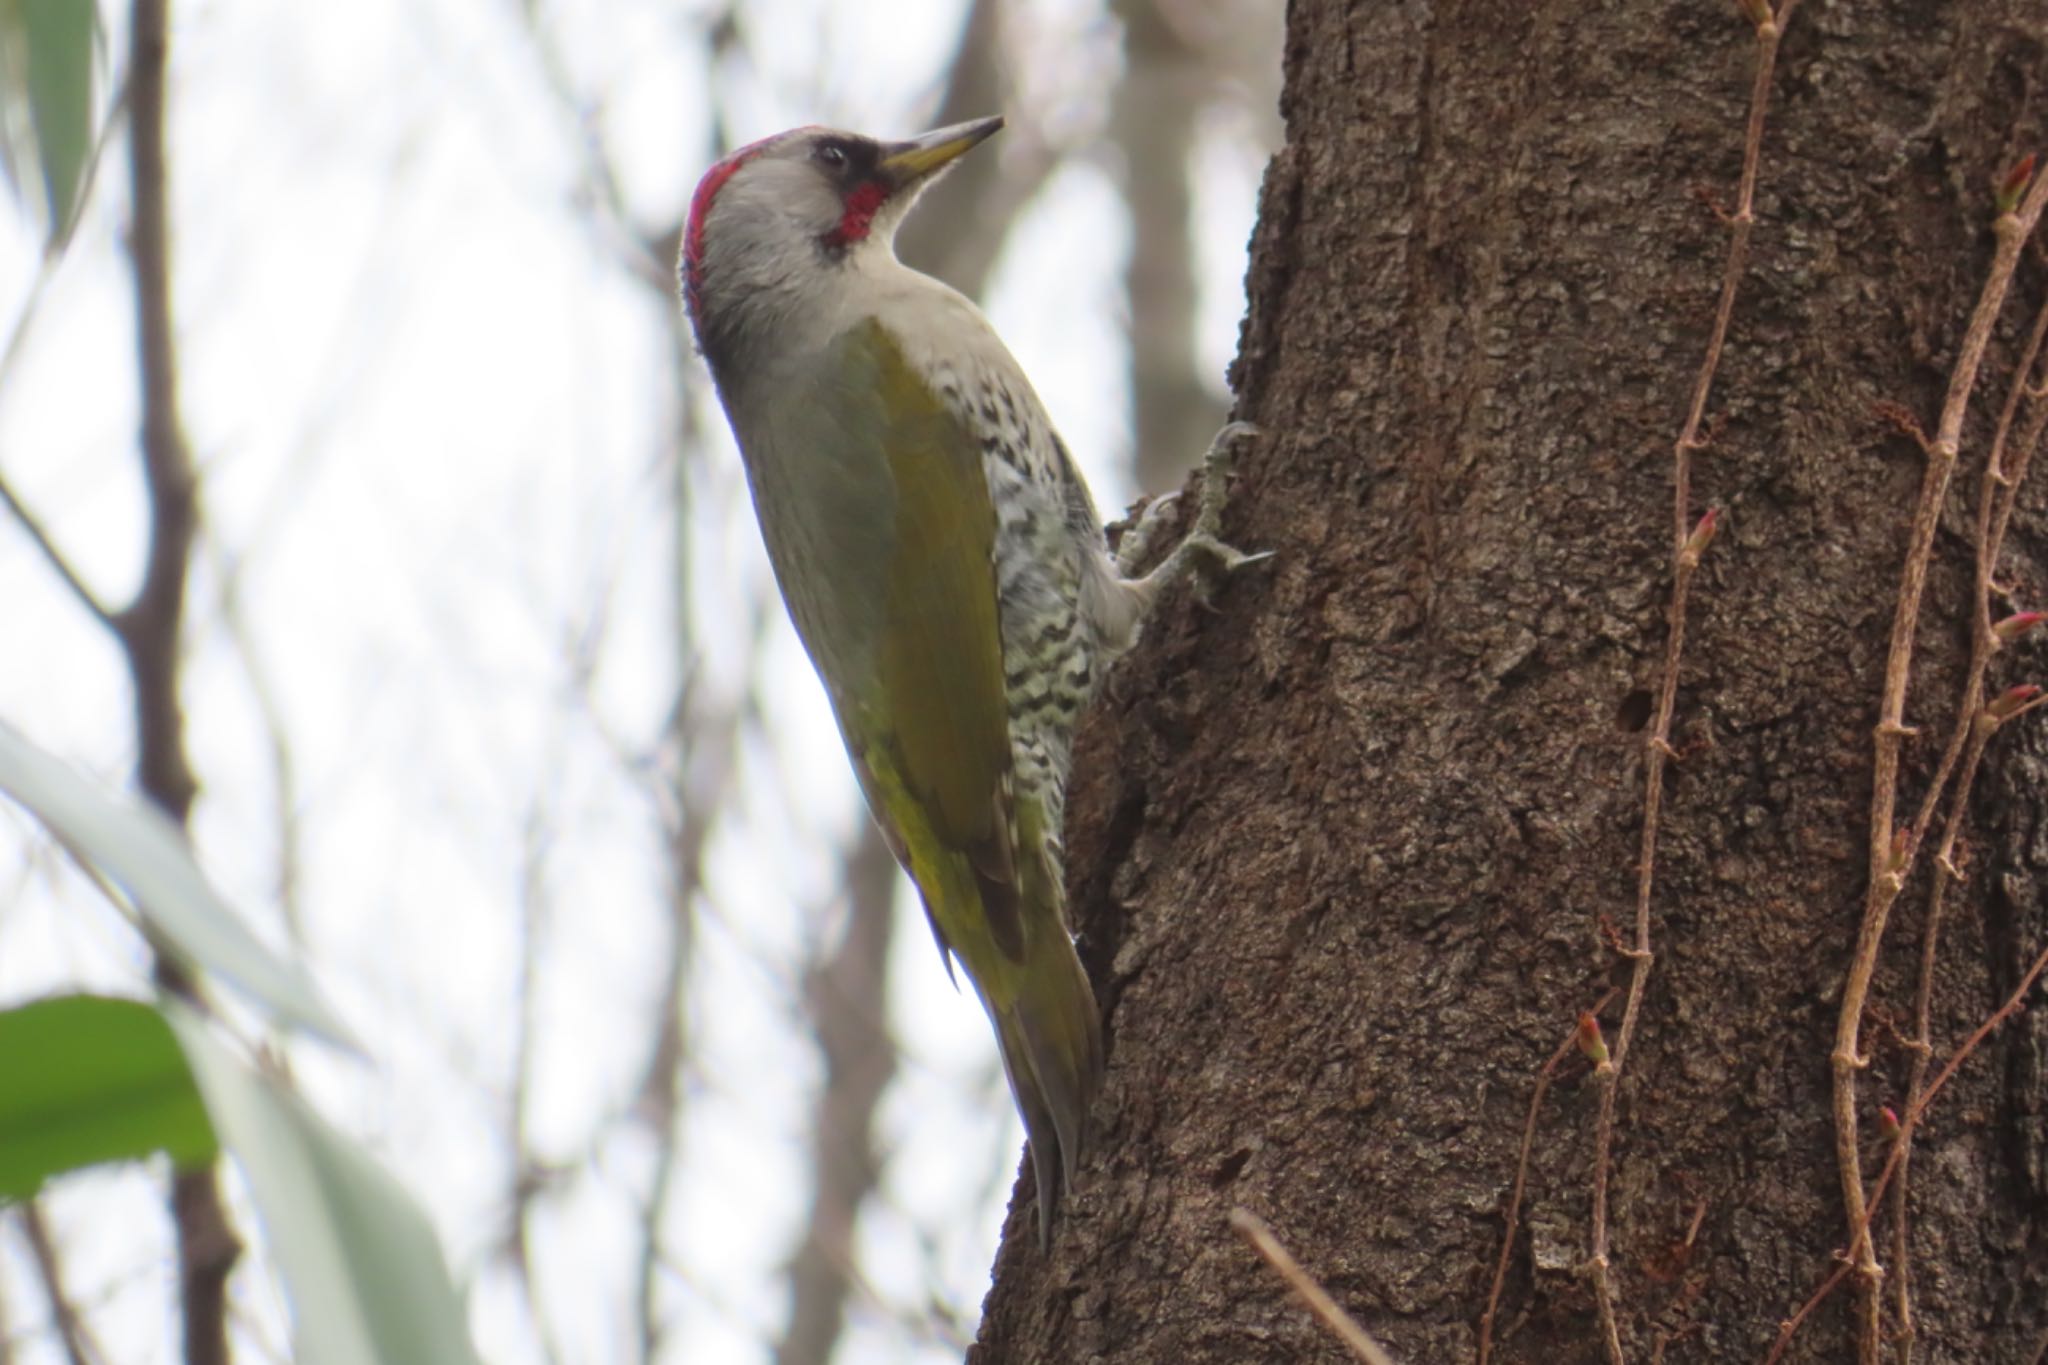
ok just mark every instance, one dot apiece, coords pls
pixel 941 559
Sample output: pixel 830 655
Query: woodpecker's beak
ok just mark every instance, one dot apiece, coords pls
pixel 909 162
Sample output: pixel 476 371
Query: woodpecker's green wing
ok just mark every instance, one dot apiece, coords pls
pixel 927 726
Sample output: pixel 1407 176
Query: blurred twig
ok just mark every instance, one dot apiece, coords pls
pixel 149 627
pixel 79 1347
pixel 600 179
pixel 698 748
pixel 704 744
pixel 17 339
pixel 692 768
pixel 1153 117
pixel 845 999
pixel 55 557
pixel 227 570
pixel 530 1176
pixel 960 229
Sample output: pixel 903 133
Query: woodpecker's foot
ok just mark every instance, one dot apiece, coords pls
pixel 1136 546
pixel 1203 550
pixel 1213 561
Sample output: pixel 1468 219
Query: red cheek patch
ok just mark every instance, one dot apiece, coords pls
pixel 862 204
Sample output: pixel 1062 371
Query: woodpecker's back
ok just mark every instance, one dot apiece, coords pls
pixel 942 562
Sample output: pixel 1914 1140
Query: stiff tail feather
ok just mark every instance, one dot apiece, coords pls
pixel 1051 1041
pixel 998 910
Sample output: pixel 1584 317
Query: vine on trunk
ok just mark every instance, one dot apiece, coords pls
pixel 1689 542
pixel 1894 848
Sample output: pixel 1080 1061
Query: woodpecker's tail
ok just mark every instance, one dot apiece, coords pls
pixel 1051 1041
pixel 999 911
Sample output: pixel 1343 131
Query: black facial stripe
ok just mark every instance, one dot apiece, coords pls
pixel 855 160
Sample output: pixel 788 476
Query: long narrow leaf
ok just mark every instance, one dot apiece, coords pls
pixel 366 1277
pixel 138 849
pixel 59 38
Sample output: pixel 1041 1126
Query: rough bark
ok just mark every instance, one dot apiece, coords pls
pixel 1344 848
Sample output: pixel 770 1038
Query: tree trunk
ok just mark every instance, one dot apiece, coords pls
pixel 1353 851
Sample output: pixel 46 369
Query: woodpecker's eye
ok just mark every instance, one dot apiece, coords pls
pixel 831 156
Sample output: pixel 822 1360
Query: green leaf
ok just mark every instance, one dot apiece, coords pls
pixel 86 1079
pixel 60 34
pixel 46 101
pixel 136 847
pixel 367 1281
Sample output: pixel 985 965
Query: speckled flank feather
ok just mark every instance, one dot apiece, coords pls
pixel 1047 540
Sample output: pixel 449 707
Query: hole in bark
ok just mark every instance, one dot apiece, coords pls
pixel 1231 1167
pixel 1634 711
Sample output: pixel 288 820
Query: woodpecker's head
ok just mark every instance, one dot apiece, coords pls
pixel 782 218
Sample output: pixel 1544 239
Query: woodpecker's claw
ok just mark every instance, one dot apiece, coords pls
pixel 1136 545
pixel 1203 551
pixel 1212 561
pixel 1217 464
pixel 1223 558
